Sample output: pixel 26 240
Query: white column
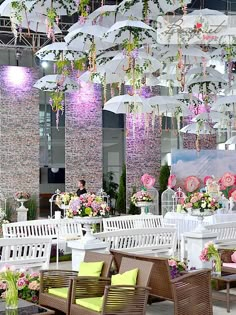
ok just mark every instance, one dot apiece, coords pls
pixel 21 214
pixel 79 247
pixel 195 244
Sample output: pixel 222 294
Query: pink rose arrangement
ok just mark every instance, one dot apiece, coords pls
pixel 191 184
pixel 202 201
pixel 148 181
pixel 26 283
pixel 207 179
pixel 226 182
pixel 88 205
pixel 210 251
pixel 172 181
pixel 22 195
pixel 141 196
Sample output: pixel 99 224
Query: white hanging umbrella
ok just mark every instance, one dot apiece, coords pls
pixel 58 51
pixel 225 100
pixel 62 7
pixel 165 100
pixel 186 96
pixel 84 36
pixel 124 104
pixel 100 77
pixel 231 140
pixel 38 24
pixel 211 116
pixel 56 82
pixel 120 63
pixel 198 128
pixel 135 8
pixel 206 78
pixel 125 30
pixel 208 70
pixel 205 12
pixel 190 51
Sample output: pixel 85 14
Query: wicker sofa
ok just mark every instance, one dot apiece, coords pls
pixel 191 293
pixel 228 266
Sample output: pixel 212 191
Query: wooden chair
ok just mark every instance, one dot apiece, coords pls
pixel 117 299
pixel 61 279
pixel 162 286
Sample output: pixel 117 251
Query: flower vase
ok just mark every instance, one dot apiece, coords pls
pixel 216 266
pixel 11 296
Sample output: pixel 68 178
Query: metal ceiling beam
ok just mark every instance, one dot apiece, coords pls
pixel 26 40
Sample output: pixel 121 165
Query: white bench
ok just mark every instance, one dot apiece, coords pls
pixel 132 222
pixel 141 241
pixel 25 252
pixel 60 231
pixel 226 236
pixel 64 229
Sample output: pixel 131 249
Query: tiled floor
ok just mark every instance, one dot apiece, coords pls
pixel 167 308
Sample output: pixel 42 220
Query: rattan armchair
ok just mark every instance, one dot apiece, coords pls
pixel 61 278
pixel 192 294
pixel 131 300
pixel 162 286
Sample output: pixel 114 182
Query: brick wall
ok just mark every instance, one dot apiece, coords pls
pixel 83 138
pixel 206 142
pixel 19 131
pixel 143 151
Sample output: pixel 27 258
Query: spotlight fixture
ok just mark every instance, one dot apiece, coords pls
pixel 44 64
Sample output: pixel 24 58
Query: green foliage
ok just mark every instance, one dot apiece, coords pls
pixel 164 175
pixel 9 211
pixel 121 199
pixel 132 208
pixel 32 205
pixel 109 186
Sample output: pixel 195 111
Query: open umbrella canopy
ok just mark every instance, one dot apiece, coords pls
pixel 59 51
pixel 211 116
pixel 100 77
pixel 62 7
pixel 127 30
pixel 165 100
pixel 205 12
pixel 55 82
pixel 142 59
pixel 37 23
pixel 198 128
pixel 190 51
pixel 125 104
pixel 136 8
pixel 87 35
pixel 225 104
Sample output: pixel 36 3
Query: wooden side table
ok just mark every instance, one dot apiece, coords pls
pixel 224 296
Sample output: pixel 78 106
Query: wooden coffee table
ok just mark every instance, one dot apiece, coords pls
pixel 224 296
pixel 25 308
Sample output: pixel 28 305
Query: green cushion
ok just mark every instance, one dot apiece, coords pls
pixel 94 303
pixel 61 292
pixel 126 278
pixel 90 269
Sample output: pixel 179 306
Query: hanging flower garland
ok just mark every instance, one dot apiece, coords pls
pixel 83 10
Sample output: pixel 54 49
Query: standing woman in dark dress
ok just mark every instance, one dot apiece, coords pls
pixel 82 190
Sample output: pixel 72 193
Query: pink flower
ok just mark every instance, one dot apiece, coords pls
pixel 148 181
pixel 188 205
pixel 194 199
pixel 172 181
pixel 34 285
pixel 172 262
pixel 192 183
pixel 228 179
pixel 21 283
pixel 3 285
pixel 233 257
pixel 206 179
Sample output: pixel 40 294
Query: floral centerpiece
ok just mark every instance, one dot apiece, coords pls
pixel 202 202
pixel 88 205
pixel 64 199
pixel 25 285
pixel 22 195
pixel 210 252
pixel 176 267
pixel 141 196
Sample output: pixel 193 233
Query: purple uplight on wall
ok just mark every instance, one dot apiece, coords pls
pixel 16 76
